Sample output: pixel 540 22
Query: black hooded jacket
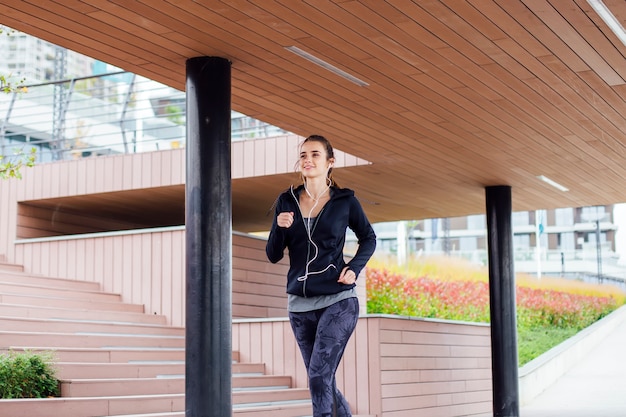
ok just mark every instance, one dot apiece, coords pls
pixel 315 263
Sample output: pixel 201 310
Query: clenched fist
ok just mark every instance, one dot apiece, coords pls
pixel 285 219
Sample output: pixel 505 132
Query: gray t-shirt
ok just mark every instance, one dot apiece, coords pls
pixel 297 304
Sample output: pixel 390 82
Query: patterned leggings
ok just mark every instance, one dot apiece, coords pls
pixel 322 336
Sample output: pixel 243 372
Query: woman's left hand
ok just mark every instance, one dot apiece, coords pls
pixel 347 276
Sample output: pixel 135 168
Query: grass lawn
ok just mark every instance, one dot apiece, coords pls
pixel 532 342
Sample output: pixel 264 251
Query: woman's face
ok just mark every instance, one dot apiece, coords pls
pixel 314 161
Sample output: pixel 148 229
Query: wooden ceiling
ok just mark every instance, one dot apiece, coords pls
pixel 461 94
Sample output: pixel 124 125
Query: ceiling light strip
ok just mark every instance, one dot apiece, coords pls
pixel 326 65
pixel 553 183
pixel 609 18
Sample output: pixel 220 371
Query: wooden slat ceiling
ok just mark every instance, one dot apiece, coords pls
pixel 461 94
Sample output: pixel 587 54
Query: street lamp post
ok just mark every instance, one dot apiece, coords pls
pixel 598 250
pixel 596 217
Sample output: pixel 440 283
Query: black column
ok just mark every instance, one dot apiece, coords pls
pixel 502 302
pixel 208 364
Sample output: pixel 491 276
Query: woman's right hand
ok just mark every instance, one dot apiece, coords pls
pixel 285 219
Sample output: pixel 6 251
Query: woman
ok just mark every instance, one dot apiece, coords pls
pixel 311 221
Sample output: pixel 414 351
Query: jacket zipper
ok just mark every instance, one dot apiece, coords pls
pixel 308 254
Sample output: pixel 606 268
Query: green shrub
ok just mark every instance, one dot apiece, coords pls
pixel 27 375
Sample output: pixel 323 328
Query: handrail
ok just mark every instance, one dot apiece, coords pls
pixel 104 114
pixel 68 80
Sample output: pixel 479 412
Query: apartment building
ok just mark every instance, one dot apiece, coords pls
pixel 564 241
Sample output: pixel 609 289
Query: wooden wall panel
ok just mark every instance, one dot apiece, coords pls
pixel 428 365
pixel 155 284
pixel 5 198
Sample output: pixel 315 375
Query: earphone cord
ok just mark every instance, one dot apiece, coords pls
pixel 309 232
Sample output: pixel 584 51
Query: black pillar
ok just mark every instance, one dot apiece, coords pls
pixel 504 360
pixel 208 357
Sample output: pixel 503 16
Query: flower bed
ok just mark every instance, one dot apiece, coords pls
pixel 451 289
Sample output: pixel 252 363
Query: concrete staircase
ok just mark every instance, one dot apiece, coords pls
pixel 112 358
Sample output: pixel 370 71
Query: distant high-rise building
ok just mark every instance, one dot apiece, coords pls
pixel 28 57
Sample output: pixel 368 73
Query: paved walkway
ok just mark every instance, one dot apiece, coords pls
pixel 596 387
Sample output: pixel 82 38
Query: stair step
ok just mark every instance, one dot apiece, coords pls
pixel 121 386
pixel 93 406
pixel 144 369
pixel 146 404
pixel 30 311
pixel 299 409
pixel 53 340
pixel 295 408
pixel 113 359
pixel 171 414
pixel 26 278
pixel 54 292
pixel 85 326
pixel 269 397
pixel 95 355
pixel 111 355
pixel 60 302
pixel 75 370
pixel 5 266
pixel 173 385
